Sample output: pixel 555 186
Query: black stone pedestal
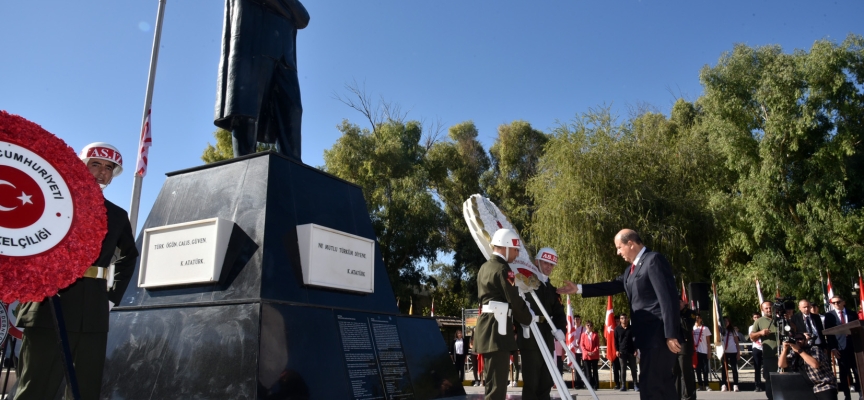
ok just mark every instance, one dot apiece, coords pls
pixel 260 333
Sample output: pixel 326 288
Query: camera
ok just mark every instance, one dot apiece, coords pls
pixel 784 328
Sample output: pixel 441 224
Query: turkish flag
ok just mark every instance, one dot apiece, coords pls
pixel 610 331
pixel 21 200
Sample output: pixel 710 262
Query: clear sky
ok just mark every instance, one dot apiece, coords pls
pixel 80 69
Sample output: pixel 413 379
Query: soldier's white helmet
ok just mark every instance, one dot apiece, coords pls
pixel 102 151
pixel 506 238
pixel 548 255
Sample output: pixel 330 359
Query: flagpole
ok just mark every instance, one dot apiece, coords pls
pixel 148 98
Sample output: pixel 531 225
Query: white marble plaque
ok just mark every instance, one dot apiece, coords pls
pixel 182 254
pixel 335 259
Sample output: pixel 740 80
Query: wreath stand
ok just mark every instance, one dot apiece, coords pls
pixel 63 342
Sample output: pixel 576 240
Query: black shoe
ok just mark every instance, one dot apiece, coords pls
pixel 617 387
pixel 759 389
pixel 623 389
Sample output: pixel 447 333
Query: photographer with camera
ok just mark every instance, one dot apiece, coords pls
pixel 801 355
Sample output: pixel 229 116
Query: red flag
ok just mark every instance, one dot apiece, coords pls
pixel 572 340
pixel 610 331
pixel 432 311
pixel 830 288
pixel 860 287
pixel 144 147
pixel 684 292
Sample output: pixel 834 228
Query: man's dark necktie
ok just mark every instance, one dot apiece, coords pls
pixel 810 325
pixel 632 267
pixel 841 339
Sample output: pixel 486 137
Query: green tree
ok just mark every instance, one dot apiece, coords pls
pixel 598 176
pixel 449 292
pixel 388 163
pixel 790 129
pixel 515 159
pixel 224 148
pixel 455 167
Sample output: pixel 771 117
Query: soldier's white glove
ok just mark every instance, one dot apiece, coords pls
pixel 559 335
pixel 110 305
pixel 526 331
pixel 533 316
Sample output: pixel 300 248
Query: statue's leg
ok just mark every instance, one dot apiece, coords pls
pixel 243 136
pixel 290 113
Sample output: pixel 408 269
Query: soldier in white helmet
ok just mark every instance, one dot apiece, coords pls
pixel 85 303
pixel 501 305
pixel 537 382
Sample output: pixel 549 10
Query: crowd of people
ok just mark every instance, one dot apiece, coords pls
pixel 807 350
pixel 673 345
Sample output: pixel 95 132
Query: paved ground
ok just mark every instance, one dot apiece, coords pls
pixel 745 379
pixel 476 393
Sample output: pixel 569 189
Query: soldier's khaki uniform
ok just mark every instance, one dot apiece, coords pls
pixel 85 308
pixel 495 282
pixel 537 382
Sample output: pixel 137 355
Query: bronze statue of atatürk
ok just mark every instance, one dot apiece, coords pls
pixel 258 94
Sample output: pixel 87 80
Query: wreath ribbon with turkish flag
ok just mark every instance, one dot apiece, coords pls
pixel 52 212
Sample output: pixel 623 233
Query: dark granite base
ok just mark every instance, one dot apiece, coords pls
pixel 221 351
pixel 260 333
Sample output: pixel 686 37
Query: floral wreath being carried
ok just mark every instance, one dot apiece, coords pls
pixel 52 212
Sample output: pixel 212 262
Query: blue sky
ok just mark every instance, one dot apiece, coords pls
pixel 80 69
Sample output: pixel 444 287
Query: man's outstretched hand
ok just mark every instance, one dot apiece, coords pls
pixel 568 288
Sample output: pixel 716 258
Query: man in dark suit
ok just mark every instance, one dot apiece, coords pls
pixel 650 287
pixel 841 345
pixel 809 324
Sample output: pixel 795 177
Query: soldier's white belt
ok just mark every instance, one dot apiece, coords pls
pixel 500 311
pixel 96 272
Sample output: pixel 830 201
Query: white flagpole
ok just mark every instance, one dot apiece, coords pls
pixel 148 98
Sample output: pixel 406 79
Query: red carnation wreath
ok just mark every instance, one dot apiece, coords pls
pixel 37 276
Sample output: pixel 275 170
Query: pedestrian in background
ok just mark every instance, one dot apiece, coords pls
pixel 756 351
pixel 731 354
pixel 701 333
pixel 685 382
pixel 590 344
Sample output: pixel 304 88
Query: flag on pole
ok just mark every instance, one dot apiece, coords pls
pixel 825 300
pixel 9 311
pixel 684 292
pixel 860 288
pixel 719 329
pixel 411 307
pixel 830 288
pixel 777 286
pixel 571 331
pixel 610 331
pixel 432 311
pixel 144 147
pixel 759 293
